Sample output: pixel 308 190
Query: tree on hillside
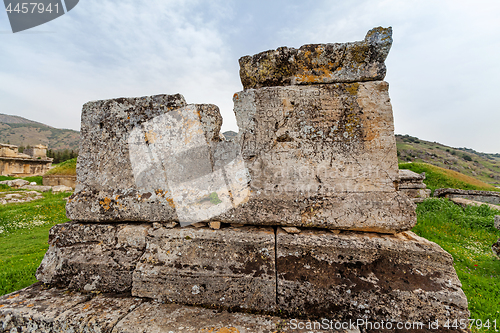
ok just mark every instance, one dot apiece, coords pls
pixel 61 155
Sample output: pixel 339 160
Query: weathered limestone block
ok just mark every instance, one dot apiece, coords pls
pixel 376 277
pixel 35 309
pixel 319 63
pixel 93 257
pixel 497 222
pixel 320 156
pixel 38 310
pixel 230 267
pixel 135 151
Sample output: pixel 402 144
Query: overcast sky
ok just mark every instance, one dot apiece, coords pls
pixel 443 68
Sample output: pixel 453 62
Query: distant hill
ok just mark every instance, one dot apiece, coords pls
pixel 483 166
pixel 22 132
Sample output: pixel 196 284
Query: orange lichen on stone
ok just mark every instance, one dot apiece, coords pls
pixel 170 201
pixel 105 203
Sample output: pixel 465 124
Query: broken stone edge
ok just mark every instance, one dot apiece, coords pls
pixel 319 63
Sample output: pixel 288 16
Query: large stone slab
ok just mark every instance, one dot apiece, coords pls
pixel 228 268
pixel 93 257
pixel 319 63
pixel 320 156
pixel 490 197
pixel 35 309
pixel 134 150
pixel 376 277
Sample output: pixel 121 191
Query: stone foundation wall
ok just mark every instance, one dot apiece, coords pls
pixel 55 180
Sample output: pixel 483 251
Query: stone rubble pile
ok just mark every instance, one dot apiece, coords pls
pixel 412 184
pixel 300 216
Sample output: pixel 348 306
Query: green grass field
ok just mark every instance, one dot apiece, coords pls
pixel 467 234
pixel 24 232
pixel 65 168
pixel 437 177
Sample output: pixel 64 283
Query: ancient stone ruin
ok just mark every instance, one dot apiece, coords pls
pixel 31 162
pixel 412 184
pixel 299 218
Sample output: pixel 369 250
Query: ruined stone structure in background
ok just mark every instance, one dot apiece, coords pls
pixel 412 184
pixel 299 216
pixel 32 162
pixel 55 180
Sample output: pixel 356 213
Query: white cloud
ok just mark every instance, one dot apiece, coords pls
pixel 442 67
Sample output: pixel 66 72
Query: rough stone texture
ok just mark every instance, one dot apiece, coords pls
pixel 320 156
pixel 412 185
pixel 35 309
pixel 319 63
pixel 134 150
pixel 93 257
pixel 61 188
pixel 361 275
pixel 497 222
pixel 16 183
pixel 19 196
pixel 490 197
pixel 230 267
pixel 408 176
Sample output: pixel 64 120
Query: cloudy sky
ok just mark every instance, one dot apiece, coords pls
pixel 443 67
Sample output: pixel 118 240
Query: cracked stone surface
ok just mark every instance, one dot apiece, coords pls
pixel 312 274
pixel 229 267
pixel 320 156
pixel 35 309
pixel 319 63
pixel 362 275
pixel 121 169
pixel 93 257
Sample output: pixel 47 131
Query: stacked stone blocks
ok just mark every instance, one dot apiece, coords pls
pixel 305 213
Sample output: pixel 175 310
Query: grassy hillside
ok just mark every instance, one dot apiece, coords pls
pixel 485 167
pixel 437 177
pixel 33 133
pixel 65 168
pixel 24 233
pixel 467 234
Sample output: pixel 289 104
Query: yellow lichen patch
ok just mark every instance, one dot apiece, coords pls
pixel 2 305
pixel 222 330
pixel 86 306
pixel 150 137
pixel 105 203
pixel 352 88
pixel 13 296
pixel 170 201
pixel 30 305
pixel 359 52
